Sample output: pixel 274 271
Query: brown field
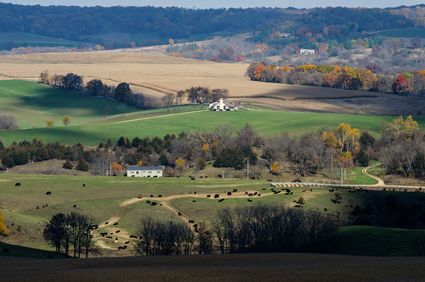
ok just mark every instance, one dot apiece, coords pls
pixel 249 267
pixel 155 74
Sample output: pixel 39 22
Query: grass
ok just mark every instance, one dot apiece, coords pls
pixel 101 198
pixel 379 241
pixel 355 176
pixel 32 104
pixel 35 40
pixel 266 122
pixel 9 250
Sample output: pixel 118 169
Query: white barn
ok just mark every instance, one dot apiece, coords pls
pixel 145 171
pixel 222 106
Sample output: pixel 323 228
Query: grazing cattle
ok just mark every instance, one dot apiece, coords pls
pixel 106 223
pixel 255 194
pixel 193 201
pixel 216 196
pixel 221 200
pixel 124 248
pixel 297 206
pixel 108 237
pixel 74 206
pixel 208 196
pixel 84 185
pixel 229 193
pixel 192 177
pixel 151 196
pixel 133 237
pixel 331 190
pixel 148 202
pixel 17 184
pixel 37 207
pixel 116 223
pixel 140 197
pixel 191 221
pixel 259 195
pixel 118 231
pixel 249 200
pixel 194 192
pixel 180 214
pixel 246 193
pixel 154 204
pixel 159 196
pixel 48 193
pixel 250 195
pixel 235 190
pixel 128 242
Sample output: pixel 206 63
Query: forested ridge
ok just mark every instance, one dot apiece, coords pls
pixel 86 24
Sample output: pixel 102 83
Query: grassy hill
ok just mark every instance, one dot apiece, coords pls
pixel 32 104
pixel 27 207
pixel 24 39
pixel 266 122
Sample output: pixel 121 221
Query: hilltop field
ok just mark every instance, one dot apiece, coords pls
pixel 155 74
pixel 96 120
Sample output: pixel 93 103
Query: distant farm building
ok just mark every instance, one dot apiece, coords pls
pixel 307 52
pixel 145 171
pixel 222 106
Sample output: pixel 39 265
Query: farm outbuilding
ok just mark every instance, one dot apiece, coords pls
pixel 145 171
pixel 222 106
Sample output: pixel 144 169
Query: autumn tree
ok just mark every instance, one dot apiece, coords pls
pixel 4 231
pixel 66 120
pixel 50 123
pixel 400 127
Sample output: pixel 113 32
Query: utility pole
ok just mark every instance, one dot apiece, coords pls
pixel 342 175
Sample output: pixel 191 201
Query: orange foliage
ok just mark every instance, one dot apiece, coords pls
pixel 117 167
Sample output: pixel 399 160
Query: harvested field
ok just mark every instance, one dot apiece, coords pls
pixel 247 267
pixel 155 74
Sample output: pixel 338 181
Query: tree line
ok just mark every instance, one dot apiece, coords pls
pixel 71 81
pixel 160 24
pixel 343 77
pixel 71 232
pixel 400 149
pixel 259 228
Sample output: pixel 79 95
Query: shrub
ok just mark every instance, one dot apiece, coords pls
pixel 67 165
pixel 82 165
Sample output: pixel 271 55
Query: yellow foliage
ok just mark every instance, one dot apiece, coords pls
pixel 329 139
pixel 3 228
pixel 275 168
pixel 348 138
pixel 180 162
pixel 205 147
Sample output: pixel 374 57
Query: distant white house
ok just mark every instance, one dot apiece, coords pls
pixel 307 52
pixel 145 171
pixel 222 106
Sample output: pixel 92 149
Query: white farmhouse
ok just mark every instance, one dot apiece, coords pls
pixel 144 171
pixel 307 52
pixel 222 106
